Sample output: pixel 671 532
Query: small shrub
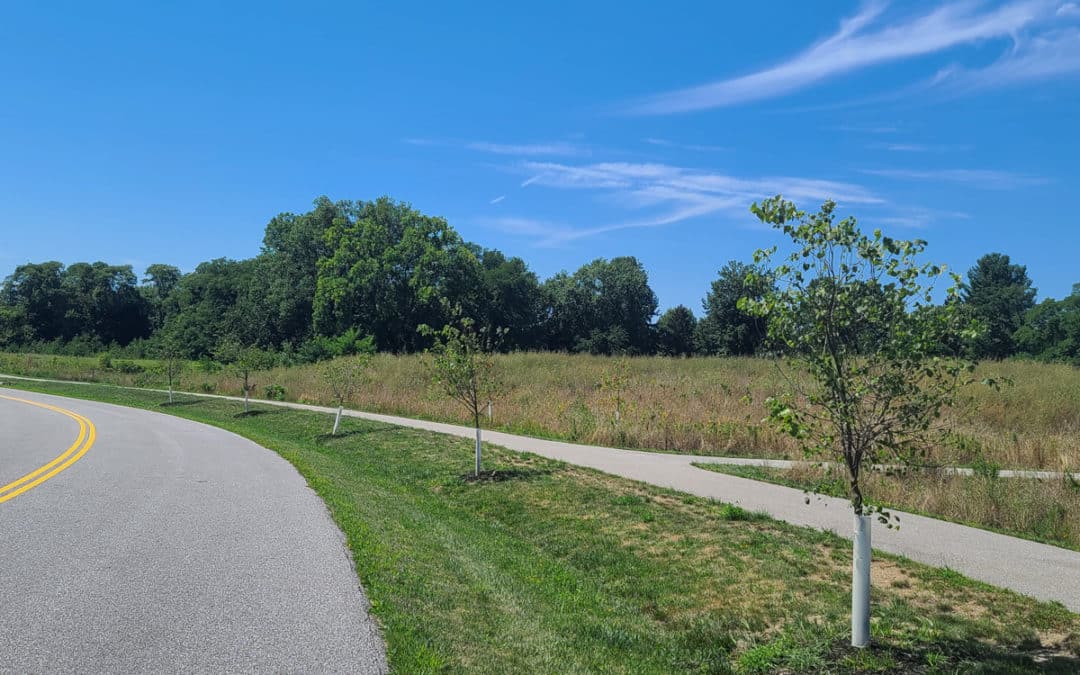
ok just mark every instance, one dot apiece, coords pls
pixel 985 468
pixel 207 387
pixel 732 512
pixel 128 367
pixel 274 392
pixel 105 361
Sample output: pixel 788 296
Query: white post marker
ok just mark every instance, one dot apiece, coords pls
pixel 478 451
pixel 860 583
pixel 337 421
pixel 489 411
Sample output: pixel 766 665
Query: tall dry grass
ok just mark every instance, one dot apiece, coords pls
pixel 701 405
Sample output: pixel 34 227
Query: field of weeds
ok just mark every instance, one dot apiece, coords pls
pixel 711 406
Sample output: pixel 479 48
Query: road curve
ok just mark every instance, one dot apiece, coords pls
pixel 169 546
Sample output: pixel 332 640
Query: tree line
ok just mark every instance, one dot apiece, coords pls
pixel 349 270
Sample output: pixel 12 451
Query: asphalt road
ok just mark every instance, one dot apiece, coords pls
pixel 169 546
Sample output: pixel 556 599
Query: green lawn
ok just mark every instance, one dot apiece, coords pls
pixel 545 567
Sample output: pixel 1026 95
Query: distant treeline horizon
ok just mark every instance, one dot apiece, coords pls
pixel 345 270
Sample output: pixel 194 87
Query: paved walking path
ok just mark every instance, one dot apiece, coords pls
pixel 1038 570
pixel 947 470
pixel 1028 567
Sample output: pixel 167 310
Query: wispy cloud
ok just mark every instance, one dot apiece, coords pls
pixel 860 42
pixel 522 226
pixel 882 129
pixel 1042 57
pixel 662 142
pixel 552 148
pixel 905 147
pixel 986 179
pixel 497 199
pixel 918 218
pixel 663 194
pixel 528 149
pixel 637 177
pixel 915 147
pixel 543 233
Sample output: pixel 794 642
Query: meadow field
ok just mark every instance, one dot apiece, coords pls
pixel 709 406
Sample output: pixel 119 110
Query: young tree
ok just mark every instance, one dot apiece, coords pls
pixel 343 375
pixel 243 362
pixel 845 402
pixel 461 362
pixel 169 353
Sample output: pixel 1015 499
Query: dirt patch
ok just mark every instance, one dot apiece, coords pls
pixel 1057 643
pixel 887 574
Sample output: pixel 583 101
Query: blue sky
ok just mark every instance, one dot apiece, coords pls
pixel 559 132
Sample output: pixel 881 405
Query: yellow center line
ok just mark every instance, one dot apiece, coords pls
pixel 87 435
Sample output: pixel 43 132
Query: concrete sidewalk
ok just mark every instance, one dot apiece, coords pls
pixel 1038 570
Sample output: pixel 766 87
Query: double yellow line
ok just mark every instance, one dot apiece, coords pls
pixel 87 434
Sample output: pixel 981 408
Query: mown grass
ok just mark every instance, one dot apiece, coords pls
pixel 545 567
pixel 704 405
pixel 1045 510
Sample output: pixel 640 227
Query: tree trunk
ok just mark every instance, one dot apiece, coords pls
pixel 247 392
pixel 860 583
pixel 856 494
pixel 478 451
pixel 337 421
pixel 170 392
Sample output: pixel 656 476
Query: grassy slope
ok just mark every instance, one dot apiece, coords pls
pixel 551 568
pixel 1042 510
pixel 701 405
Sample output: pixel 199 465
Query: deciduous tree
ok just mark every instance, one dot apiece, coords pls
pixel 170 354
pixel 244 361
pixel 845 403
pixel 675 332
pixel 462 364
pixel 389 270
pixel 726 330
pixel 606 307
pixel 343 375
